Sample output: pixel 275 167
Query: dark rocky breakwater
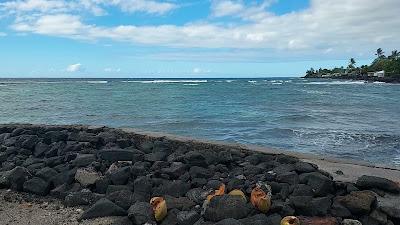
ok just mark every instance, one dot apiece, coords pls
pixel 115 173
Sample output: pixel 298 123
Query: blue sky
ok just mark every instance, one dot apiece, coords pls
pixel 192 38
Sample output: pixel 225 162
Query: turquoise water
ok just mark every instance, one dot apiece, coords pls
pixel 346 119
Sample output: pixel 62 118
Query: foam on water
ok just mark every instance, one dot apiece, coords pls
pixel 336 82
pixel 164 81
pixel 96 81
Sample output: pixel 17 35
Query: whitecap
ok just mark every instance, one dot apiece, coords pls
pixel 252 81
pixel 336 82
pixel 165 81
pixel 97 81
pixel 190 84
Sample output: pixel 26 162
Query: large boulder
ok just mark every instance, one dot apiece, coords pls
pixel 37 186
pixel 194 158
pixel 17 178
pixel 120 175
pixel 47 173
pixel 86 176
pixel 308 206
pixel 226 206
pixel 103 208
pixel 142 189
pixel 141 213
pixel 321 184
pixel 358 202
pixel 369 182
pixel 123 198
pixel 83 197
pixel 83 160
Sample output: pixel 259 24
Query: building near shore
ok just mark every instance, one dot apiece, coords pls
pixel 379 74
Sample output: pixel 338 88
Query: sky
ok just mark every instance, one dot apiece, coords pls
pixel 191 38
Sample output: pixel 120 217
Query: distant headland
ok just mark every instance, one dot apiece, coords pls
pixel 382 69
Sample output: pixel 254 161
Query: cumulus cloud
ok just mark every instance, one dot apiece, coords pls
pixel 336 25
pixel 74 68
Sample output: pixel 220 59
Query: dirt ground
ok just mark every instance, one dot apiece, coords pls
pixel 25 209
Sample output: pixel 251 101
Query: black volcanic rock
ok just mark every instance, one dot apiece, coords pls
pixel 141 213
pixel 369 182
pixel 358 202
pixel 37 186
pixel 226 206
pixel 17 178
pixel 103 208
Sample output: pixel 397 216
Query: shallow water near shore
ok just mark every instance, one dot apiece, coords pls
pixel 344 119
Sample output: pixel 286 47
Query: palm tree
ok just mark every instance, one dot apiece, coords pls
pixel 352 62
pixel 395 55
pixel 379 53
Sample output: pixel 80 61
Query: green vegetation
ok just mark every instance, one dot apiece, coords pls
pixel 390 64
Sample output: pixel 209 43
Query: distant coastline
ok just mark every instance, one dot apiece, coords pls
pixel 382 69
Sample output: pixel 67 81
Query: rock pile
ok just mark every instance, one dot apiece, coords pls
pixel 116 173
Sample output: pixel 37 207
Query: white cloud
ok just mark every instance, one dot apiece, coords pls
pixel 198 70
pixel 148 6
pixel 2 34
pixel 225 8
pixel 74 68
pixel 112 70
pixel 328 24
pixel 96 7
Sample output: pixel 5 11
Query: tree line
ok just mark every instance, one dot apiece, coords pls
pixel 390 64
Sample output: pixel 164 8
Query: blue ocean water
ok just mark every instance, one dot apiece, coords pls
pixel 345 119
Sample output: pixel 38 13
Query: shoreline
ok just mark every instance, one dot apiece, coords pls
pixel 387 80
pixel 355 168
pixel 108 172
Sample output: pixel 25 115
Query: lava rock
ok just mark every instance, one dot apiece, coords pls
pixel 229 221
pixel 321 184
pixel 123 198
pixel 176 170
pixel 358 202
pixel 141 213
pixel 83 197
pixel 180 203
pixel 83 160
pixel 142 187
pixel 369 182
pixel 194 158
pixel 197 195
pixel 175 188
pixel 308 206
pixel 351 222
pixel 37 186
pixel 114 155
pixel 187 217
pixel 86 176
pixel 226 206
pixel 17 178
pixel 103 208
pixel 47 173
pixel 259 219
pixel 120 176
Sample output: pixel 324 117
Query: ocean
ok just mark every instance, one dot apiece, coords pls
pixel 343 119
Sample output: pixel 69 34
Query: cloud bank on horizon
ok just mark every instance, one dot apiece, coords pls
pixel 223 31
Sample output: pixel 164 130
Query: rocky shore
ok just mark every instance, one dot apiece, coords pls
pixel 113 173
